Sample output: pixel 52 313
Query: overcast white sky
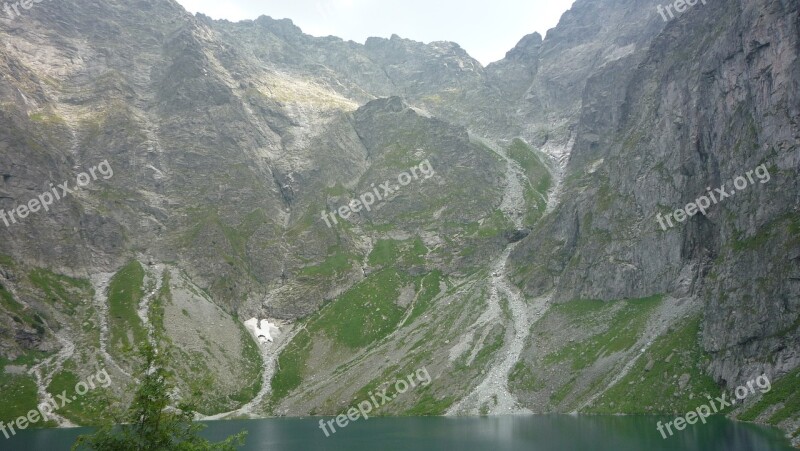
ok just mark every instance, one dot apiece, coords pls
pixel 486 29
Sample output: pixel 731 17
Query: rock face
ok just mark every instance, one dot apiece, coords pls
pixel 235 146
pixel 651 140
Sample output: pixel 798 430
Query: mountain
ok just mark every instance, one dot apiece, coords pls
pixel 513 230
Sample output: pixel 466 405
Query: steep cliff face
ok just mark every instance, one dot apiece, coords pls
pixel 714 97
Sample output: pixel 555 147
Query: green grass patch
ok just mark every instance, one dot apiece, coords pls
pixel 496 224
pixel 428 405
pixel 417 252
pixel 623 330
pixel 380 228
pixel 62 291
pixel 578 309
pixel 19 396
pixel 657 391
pixel 238 236
pixel 86 409
pixel 360 317
pixel 522 378
pixel 401 253
pixel 124 294
pixel 430 289
pixel 536 206
pixel 604 196
pixel 401 156
pixel 201 385
pixel 291 366
pixel 754 242
pixel 7 261
pixel 388 374
pixel 467 251
pixel 337 190
pixel 489 350
pixel 534 167
pixel 535 192
pixel 559 395
pixel 28 359
pixel 157 307
pixel 46 118
pixel 338 262
pixel 251 362
pixel 785 393
pixel 366 313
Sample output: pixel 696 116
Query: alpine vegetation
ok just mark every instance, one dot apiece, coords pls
pixel 383 397
pixel 716 405
pixel 47 409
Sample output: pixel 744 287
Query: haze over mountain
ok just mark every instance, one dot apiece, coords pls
pixel 529 273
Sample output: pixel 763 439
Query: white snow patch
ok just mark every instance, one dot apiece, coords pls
pixel 261 329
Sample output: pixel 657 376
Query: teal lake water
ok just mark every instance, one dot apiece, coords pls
pixel 529 433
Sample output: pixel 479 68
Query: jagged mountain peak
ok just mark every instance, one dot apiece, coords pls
pixel 281 27
pixel 526 48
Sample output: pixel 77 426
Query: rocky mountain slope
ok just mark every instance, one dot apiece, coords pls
pixel 513 240
pixel 712 98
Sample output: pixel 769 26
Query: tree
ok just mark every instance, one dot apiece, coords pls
pixel 150 424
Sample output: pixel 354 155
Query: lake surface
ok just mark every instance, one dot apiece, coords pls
pixel 529 433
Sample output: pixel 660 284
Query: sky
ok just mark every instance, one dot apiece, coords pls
pixel 487 30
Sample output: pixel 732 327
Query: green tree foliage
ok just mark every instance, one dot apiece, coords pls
pixel 150 424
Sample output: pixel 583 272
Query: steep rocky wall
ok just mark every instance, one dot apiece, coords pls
pixel 714 97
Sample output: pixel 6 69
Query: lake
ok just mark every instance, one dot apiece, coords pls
pixel 529 433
